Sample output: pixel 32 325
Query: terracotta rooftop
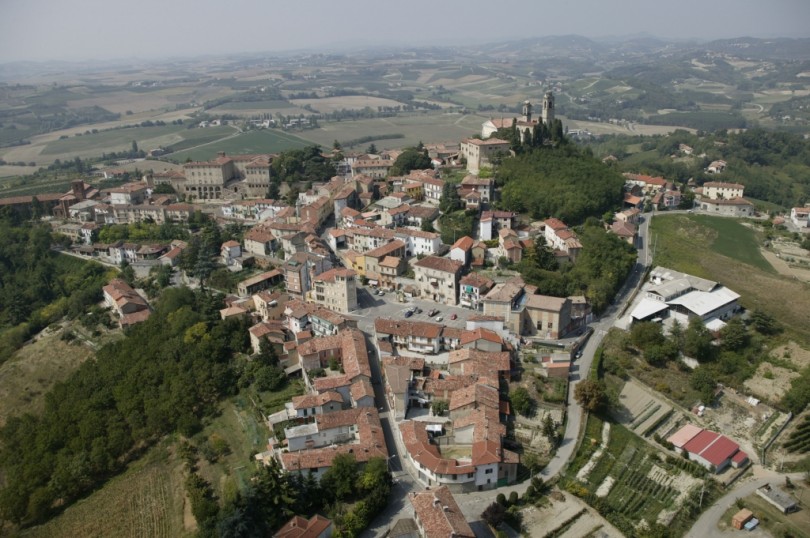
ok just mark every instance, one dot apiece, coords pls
pixel 439 514
pixel 299 527
pixel 400 327
pixel 436 263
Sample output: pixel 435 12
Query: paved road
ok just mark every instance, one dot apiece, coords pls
pixel 706 525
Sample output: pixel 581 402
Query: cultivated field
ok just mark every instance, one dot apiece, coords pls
pixel 147 500
pixel 263 141
pixel 34 369
pixel 629 482
pixel 434 127
pixel 33 152
pixel 327 105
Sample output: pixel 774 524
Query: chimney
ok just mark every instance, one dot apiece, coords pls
pixel 436 501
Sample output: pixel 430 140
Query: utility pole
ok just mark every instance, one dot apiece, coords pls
pixel 702 489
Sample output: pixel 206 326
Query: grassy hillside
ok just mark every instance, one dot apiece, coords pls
pixel 727 251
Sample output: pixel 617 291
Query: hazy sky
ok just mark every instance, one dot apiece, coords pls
pixel 90 29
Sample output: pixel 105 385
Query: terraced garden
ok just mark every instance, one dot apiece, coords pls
pixel 632 485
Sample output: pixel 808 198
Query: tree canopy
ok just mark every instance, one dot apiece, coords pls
pixel 563 182
pixel 410 159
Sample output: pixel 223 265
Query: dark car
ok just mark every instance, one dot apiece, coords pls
pixel 432 313
pixel 419 311
pixel 408 313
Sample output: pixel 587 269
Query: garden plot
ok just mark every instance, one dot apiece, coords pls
pixel 640 411
pixel 529 431
pixel 562 509
pixel 630 483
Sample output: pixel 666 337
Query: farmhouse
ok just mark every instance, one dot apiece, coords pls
pixel 735 207
pixel 715 190
pixel 712 450
pixel 800 217
pixel 130 307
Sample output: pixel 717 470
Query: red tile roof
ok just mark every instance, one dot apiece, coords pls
pixel 712 447
pixel 439 514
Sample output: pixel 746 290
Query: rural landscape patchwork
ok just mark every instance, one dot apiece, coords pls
pixel 550 286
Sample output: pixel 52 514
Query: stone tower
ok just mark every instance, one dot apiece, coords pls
pixel 527 111
pixel 548 109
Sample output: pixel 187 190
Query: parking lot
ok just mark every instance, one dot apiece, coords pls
pixel 372 306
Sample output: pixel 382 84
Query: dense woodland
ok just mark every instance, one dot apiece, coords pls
pixel 565 182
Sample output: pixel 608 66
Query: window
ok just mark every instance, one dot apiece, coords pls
pixel 488 471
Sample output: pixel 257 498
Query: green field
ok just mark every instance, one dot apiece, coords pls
pixel 434 127
pixel 720 235
pixel 724 250
pixel 264 141
pixel 118 138
pixel 251 105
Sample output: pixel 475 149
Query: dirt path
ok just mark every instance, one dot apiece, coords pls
pixel 783 268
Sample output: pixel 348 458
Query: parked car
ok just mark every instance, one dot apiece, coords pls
pixel 418 310
pixel 432 313
pixel 454 316
pixel 408 313
pixel 439 318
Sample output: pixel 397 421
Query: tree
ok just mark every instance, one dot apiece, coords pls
pixel 341 477
pixel 494 514
pixel 450 200
pixel 371 149
pixel 702 380
pixel 273 191
pixel 697 342
pixel 591 395
pixel 764 323
pixel 127 273
pixel 521 401
pixel 550 429
pixel 427 226
pixel 645 334
pixel 734 335
pixel 439 407
pixel 410 159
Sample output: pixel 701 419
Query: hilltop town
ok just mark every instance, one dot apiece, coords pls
pixel 530 328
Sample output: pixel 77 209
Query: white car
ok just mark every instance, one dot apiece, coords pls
pixel 439 318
